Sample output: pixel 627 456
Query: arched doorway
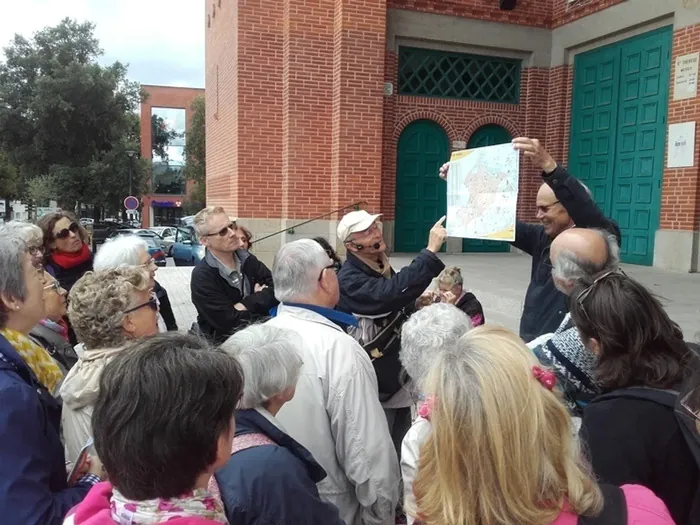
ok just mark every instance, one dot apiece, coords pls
pixel 488 135
pixel 421 196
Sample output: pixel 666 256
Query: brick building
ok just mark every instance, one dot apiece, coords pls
pixel 167 110
pixel 316 104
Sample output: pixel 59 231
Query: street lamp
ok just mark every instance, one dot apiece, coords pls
pixel 131 154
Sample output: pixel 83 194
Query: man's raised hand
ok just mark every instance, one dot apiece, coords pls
pixel 437 237
pixel 533 149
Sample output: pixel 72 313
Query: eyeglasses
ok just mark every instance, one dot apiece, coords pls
pixel 148 263
pixel 152 304
pixel 55 285
pixel 587 291
pixel 545 209
pixel 65 232
pixel 223 231
pixel 336 267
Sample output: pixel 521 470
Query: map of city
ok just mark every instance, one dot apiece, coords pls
pixel 482 193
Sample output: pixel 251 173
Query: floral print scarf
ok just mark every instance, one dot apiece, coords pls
pixel 198 503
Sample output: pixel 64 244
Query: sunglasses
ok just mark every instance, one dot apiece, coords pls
pixel 65 232
pixel 223 231
pixel 152 304
pixel 587 291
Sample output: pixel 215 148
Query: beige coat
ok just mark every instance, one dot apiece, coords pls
pixel 79 393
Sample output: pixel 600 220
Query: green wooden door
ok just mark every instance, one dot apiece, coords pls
pixel 488 135
pixel 421 196
pixel 618 132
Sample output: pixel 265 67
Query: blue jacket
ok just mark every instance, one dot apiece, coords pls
pixel 273 484
pixel 33 487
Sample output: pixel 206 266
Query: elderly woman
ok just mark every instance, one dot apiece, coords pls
pixel 33 487
pixel 66 250
pixel 245 236
pixel 163 424
pixel 132 250
pixel 108 309
pixel 426 334
pixel 632 437
pixel 270 477
pixel 30 234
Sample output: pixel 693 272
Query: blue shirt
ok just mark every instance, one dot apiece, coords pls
pixel 340 318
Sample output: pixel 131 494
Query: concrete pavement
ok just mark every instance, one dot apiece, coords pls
pixel 499 281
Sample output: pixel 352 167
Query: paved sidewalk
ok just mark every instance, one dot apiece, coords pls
pixel 499 281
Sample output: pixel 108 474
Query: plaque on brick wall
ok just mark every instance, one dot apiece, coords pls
pixel 388 89
pixel 685 82
pixel 681 145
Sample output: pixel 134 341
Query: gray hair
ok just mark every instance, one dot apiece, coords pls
pixel 98 302
pixel 201 220
pixel 12 278
pixel 429 332
pixel 28 232
pixel 270 361
pixel 296 268
pixel 577 270
pixel 122 251
pixel 451 277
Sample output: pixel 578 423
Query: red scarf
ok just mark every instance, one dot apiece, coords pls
pixel 67 260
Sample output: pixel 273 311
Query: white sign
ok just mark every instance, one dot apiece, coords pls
pixel 482 193
pixel 2 206
pixel 685 82
pixel 681 145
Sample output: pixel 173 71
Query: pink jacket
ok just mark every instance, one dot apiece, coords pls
pixel 95 510
pixel 643 508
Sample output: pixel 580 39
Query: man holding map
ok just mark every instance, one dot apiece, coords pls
pixel 562 203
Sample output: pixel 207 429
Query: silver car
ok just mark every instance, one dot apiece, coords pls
pixel 167 237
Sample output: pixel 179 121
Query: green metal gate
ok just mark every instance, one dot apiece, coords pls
pixel 421 196
pixel 618 131
pixel 488 135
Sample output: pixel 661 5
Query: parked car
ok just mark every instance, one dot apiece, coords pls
pixel 146 234
pixel 167 235
pixel 186 250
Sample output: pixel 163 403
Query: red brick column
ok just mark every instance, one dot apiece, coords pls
pixel 680 197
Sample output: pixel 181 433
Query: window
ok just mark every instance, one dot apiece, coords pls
pixel 184 234
pixel 426 72
pixel 168 150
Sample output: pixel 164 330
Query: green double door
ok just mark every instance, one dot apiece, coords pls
pixel 421 196
pixel 618 131
pixel 488 135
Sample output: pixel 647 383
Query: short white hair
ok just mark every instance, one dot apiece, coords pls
pixel 201 220
pixel 296 268
pixel 270 361
pixel 427 334
pixel 30 233
pixel 124 250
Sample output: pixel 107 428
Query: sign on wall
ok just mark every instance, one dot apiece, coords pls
pixel 681 145
pixel 685 82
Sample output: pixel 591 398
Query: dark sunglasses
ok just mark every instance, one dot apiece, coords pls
pixel 587 291
pixel 65 232
pixel 152 304
pixel 335 266
pixel 223 231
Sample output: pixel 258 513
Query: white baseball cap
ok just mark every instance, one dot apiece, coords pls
pixel 355 221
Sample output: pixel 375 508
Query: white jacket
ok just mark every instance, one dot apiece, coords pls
pixel 336 414
pixel 412 442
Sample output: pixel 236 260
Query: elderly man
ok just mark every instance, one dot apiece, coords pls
pixel 335 412
pixel 562 203
pixel 230 287
pixel 578 256
pixel 381 298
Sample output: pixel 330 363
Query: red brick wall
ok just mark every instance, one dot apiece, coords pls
pixel 680 194
pixel 564 12
pixel 527 12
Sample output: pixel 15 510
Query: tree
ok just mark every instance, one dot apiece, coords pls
pixel 64 115
pixel 161 136
pixel 196 156
pixel 10 182
pixel 42 189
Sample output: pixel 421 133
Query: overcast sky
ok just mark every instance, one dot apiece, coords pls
pixel 162 41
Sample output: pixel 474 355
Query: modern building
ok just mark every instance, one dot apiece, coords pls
pixel 165 117
pixel 313 105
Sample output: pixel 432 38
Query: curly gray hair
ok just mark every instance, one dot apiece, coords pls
pixel 429 332
pixel 98 302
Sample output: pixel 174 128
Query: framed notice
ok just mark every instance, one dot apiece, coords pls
pixel 685 81
pixel 681 145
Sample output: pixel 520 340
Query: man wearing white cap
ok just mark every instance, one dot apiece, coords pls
pixel 382 299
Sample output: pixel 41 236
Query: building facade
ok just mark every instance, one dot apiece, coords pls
pixel 165 117
pixel 313 105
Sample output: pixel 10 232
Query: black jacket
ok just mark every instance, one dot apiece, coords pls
pixel 366 292
pixel 68 276
pixel 471 306
pixel 214 298
pixel 165 309
pixel 272 484
pixel 635 441
pixel 545 306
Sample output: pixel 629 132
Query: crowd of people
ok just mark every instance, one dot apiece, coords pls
pixel 324 391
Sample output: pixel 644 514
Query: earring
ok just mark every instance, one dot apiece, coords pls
pixel 16 307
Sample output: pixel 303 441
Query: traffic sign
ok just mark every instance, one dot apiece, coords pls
pixel 131 203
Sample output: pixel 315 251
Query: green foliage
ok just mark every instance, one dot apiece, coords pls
pixel 195 147
pixel 66 117
pixel 42 189
pixel 10 181
pixel 161 136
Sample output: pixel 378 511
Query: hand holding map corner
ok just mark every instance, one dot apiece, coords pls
pixel 533 149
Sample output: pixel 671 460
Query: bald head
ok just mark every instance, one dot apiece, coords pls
pixel 579 254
